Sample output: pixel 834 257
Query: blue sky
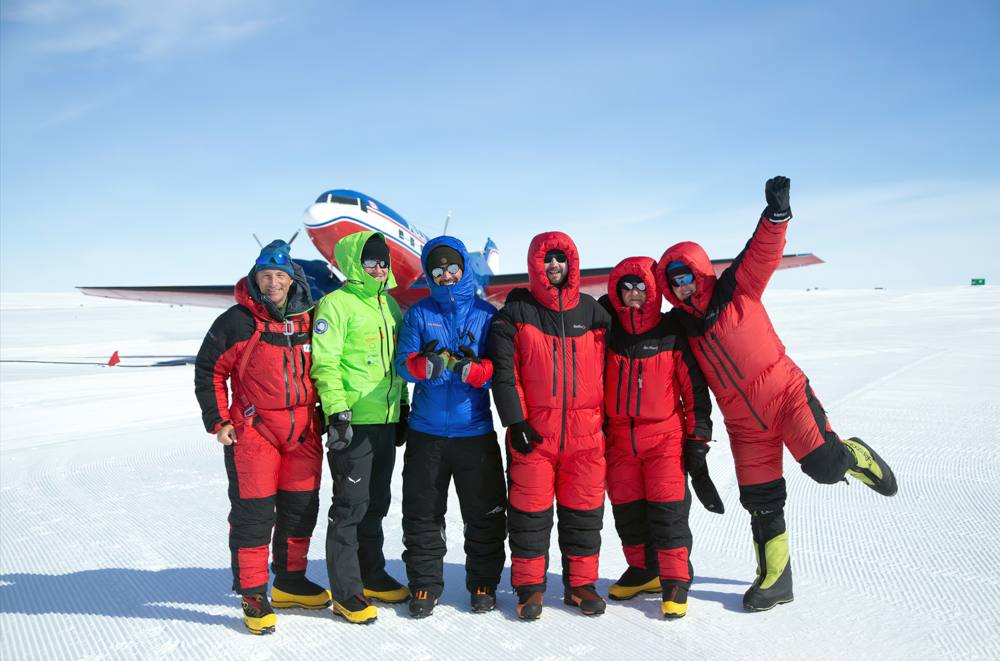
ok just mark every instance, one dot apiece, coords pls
pixel 143 143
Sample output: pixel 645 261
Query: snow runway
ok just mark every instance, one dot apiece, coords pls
pixel 113 506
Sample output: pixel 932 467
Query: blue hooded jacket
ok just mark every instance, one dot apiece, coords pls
pixel 454 316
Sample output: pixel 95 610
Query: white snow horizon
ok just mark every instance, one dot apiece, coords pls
pixel 113 533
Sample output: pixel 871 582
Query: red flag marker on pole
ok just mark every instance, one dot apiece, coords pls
pixel 114 360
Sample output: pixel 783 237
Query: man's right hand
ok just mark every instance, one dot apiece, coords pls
pixel 428 363
pixel 523 437
pixel 226 435
pixel 340 433
pixel 776 190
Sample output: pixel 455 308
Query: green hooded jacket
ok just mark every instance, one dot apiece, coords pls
pixel 354 343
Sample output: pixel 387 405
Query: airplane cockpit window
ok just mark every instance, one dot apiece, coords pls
pixel 401 234
pixel 330 198
pixel 412 242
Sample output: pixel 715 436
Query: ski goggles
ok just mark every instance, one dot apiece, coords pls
pixel 682 279
pixel 438 271
pixel 372 263
pixel 278 258
pixel 557 255
pixel 638 286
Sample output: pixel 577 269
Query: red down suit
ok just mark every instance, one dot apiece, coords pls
pixel 765 398
pixel 274 468
pixel 655 398
pixel 547 346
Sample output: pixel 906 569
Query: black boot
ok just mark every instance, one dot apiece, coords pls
pixel 585 598
pixel 422 604
pixel 483 599
pixel 529 605
pixel 773 584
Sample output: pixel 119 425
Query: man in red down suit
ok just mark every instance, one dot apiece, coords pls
pixel 547 348
pixel 765 398
pixel 658 423
pixel 270 433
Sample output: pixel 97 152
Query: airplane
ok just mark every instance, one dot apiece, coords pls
pixel 339 212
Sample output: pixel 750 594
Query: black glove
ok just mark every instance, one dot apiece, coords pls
pixel 523 438
pixel 435 360
pixel 776 192
pixel 463 365
pixel 697 467
pixel 403 426
pixel 341 433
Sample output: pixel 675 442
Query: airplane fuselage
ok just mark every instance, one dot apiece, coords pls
pixel 337 213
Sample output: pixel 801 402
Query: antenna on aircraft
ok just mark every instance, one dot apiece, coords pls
pixel 293 237
pixel 446 221
pixel 255 238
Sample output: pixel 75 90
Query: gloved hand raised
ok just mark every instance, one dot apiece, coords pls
pixel 471 369
pixel 403 426
pixel 778 207
pixel 695 464
pixel 523 437
pixel 341 433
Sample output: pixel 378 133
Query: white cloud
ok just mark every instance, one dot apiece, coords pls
pixel 146 30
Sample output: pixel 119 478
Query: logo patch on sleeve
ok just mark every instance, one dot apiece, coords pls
pixel 321 326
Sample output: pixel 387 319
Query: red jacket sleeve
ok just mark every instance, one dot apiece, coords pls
pixel 754 266
pixel 507 393
pixel 215 362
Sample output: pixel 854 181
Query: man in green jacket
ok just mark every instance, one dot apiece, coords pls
pixel 364 400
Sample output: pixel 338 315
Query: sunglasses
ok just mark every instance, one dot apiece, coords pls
pixel 372 263
pixel 639 286
pixel 438 271
pixel 279 258
pixel 557 255
pixel 683 279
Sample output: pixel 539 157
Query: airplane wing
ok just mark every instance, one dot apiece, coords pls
pixel 209 296
pixel 595 281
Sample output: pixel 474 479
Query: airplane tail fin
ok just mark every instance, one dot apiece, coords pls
pixel 487 261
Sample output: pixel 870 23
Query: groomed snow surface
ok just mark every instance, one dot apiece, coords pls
pixel 113 506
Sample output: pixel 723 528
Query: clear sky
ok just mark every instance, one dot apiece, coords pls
pixel 143 142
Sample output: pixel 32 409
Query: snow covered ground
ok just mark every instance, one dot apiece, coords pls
pixel 113 506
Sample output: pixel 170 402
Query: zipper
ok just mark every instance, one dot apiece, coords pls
pixel 618 397
pixel 382 350
pixel 555 367
pixel 718 375
pixel 743 394
pixel 295 372
pixel 638 396
pixel 631 431
pixel 284 373
pixel 573 344
pixel 631 353
pixel 562 339
pixel 724 353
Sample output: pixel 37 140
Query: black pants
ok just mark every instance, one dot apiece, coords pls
pixel 361 475
pixel 429 464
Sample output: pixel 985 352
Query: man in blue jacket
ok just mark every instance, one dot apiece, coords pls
pixel 451 433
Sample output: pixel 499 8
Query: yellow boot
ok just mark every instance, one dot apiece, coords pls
pixel 258 616
pixel 356 610
pixel 635 581
pixel 870 468
pixel 675 600
pixel 299 592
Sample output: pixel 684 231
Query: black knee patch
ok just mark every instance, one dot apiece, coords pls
pixel 828 463
pixel 769 496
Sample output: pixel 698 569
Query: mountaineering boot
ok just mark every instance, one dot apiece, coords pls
pixel 298 591
pixel 422 604
pixel 585 598
pixel 385 588
pixel 356 610
pixel 870 468
pixel 483 599
pixel 675 600
pixel 529 605
pixel 258 616
pixel 634 581
pixel 773 584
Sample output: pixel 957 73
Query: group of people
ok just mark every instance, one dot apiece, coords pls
pixel 608 396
